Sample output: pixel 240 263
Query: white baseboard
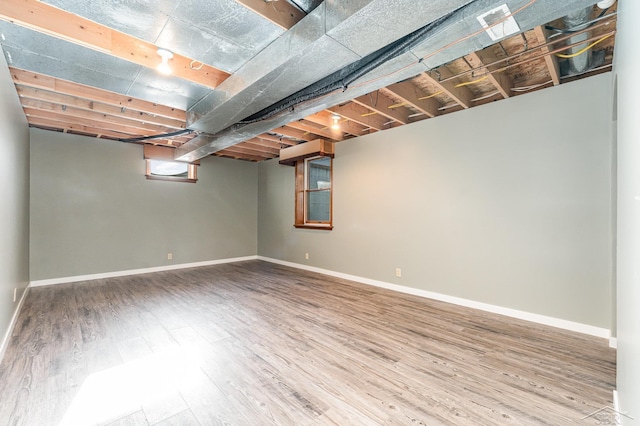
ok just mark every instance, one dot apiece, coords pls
pixel 12 324
pixel 53 281
pixel 616 402
pixel 613 342
pixel 514 313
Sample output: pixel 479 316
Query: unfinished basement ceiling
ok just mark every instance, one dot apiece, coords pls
pixel 90 68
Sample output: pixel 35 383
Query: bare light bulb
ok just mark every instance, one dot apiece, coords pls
pixel 336 122
pixel 164 67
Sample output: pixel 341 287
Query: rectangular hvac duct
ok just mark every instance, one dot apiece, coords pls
pixel 458 35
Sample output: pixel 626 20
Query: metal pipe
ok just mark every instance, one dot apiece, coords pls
pixel 532 49
pixel 580 63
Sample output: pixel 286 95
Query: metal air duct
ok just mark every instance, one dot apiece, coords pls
pixel 290 74
pixel 582 62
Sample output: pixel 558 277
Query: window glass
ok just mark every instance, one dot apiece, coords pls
pixel 313 193
pixel 168 168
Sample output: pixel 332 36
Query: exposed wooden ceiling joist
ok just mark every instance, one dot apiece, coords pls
pixel 72 112
pixel 58 23
pixel 278 139
pixel 259 148
pixel 550 60
pixel 246 154
pixel 266 144
pixel 294 133
pixel 281 13
pixel 361 115
pixel 501 81
pixel 381 104
pixel 325 118
pixel 41 81
pixel 26 92
pixel 57 104
pixel 460 94
pixel 56 124
pixel 63 118
pixel 315 129
pixel 416 97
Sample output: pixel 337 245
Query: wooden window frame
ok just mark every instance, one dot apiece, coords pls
pixel 302 194
pixel 163 153
pixel 192 174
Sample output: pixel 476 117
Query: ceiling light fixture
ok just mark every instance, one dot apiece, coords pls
pixel 164 67
pixel 336 122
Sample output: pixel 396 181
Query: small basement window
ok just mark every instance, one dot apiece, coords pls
pixel 313 162
pixel 161 167
pixel 313 193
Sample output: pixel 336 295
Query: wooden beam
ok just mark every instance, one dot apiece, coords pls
pixel 96 124
pixel 59 23
pixel 550 60
pixel 411 94
pixel 500 80
pixel 461 95
pixel 281 13
pixel 325 118
pixel 258 148
pixel 278 139
pixel 381 104
pixel 361 115
pixel 244 150
pixel 242 154
pixel 41 81
pixel 109 120
pixel 294 133
pixel 267 144
pixel 325 132
pixel 88 130
pixel 26 92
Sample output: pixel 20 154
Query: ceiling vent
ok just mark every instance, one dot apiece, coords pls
pixel 499 23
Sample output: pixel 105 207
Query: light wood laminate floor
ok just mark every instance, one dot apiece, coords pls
pixel 254 343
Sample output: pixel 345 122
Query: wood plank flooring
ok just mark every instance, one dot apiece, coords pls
pixel 254 343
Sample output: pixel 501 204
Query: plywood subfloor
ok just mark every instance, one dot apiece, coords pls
pixel 254 343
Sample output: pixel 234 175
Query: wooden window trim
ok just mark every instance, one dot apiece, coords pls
pixel 192 172
pixel 300 198
pixel 163 153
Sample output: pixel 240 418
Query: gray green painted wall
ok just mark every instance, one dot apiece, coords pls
pixel 626 67
pixel 14 199
pixel 93 211
pixel 507 204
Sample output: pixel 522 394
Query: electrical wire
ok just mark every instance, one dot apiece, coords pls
pixel 343 78
pixel 581 51
pixel 460 40
pixel 531 87
pixel 519 54
pixel 442 108
pixel 196 68
pixel 431 96
pixel 160 136
pixel 453 43
pixel 348 75
pixel 468 83
pixel 487 96
pixel 581 27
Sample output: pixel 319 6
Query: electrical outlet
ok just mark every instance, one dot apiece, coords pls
pixel 398 272
pixel 169 256
pixel 15 295
pixel 306 256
